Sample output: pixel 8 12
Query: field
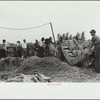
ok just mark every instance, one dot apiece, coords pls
pixel 57 70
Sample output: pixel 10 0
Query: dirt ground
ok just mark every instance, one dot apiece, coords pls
pixel 57 70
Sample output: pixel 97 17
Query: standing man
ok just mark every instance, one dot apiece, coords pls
pixel 24 47
pixel 19 49
pixel 3 49
pixel 47 42
pixel 36 47
pixel 59 43
pixel 41 47
pixel 96 42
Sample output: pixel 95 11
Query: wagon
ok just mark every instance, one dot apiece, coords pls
pixel 65 52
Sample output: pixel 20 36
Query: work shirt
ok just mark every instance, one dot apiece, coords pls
pixel 3 46
pixel 18 46
pixel 95 39
pixel 24 45
pixel 36 46
pixel 42 44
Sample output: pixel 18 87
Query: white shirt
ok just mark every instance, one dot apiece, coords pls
pixel 41 44
pixel 3 46
pixel 24 45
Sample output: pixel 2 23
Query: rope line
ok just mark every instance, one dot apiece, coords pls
pixel 24 28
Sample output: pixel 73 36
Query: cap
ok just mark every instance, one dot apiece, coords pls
pixel 18 41
pixel 93 31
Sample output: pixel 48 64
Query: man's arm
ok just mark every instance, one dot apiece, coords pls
pixel 91 46
pixel 92 40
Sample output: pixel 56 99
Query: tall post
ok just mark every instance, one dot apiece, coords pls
pixel 52 31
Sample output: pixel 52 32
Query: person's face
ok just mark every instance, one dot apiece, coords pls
pixel 36 41
pixel 4 41
pixel 92 33
pixel 70 37
pixel 24 41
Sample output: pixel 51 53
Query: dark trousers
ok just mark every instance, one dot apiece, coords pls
pixel 25 52
pixel 97 62
pixel 40 52
pixel 2 53
pixel 97 58
pixel 47 51
pixel 19 53
pixel 59 51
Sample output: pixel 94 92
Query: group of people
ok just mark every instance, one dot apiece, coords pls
pixel 20 49
pixel 80 43
pixel 40 48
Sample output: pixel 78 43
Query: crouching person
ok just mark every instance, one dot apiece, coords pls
pixel 24 49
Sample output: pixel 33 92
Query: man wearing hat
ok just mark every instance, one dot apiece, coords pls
pixel 24 48
pixel 3 49
pixel 19 49
pixel 96 42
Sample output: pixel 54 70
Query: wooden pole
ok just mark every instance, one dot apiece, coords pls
pixel 52 31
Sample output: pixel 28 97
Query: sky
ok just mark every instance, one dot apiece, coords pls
pixel 65 16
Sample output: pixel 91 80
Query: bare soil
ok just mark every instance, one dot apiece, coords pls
pixel 51 67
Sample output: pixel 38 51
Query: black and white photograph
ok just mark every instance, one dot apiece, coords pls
pixel 49 41
pixel 49 49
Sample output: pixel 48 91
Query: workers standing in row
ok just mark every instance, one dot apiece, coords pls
pixel 21 49
pixel 42 48
pixel 96 43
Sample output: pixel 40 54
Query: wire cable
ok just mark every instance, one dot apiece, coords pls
pixel 24 28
